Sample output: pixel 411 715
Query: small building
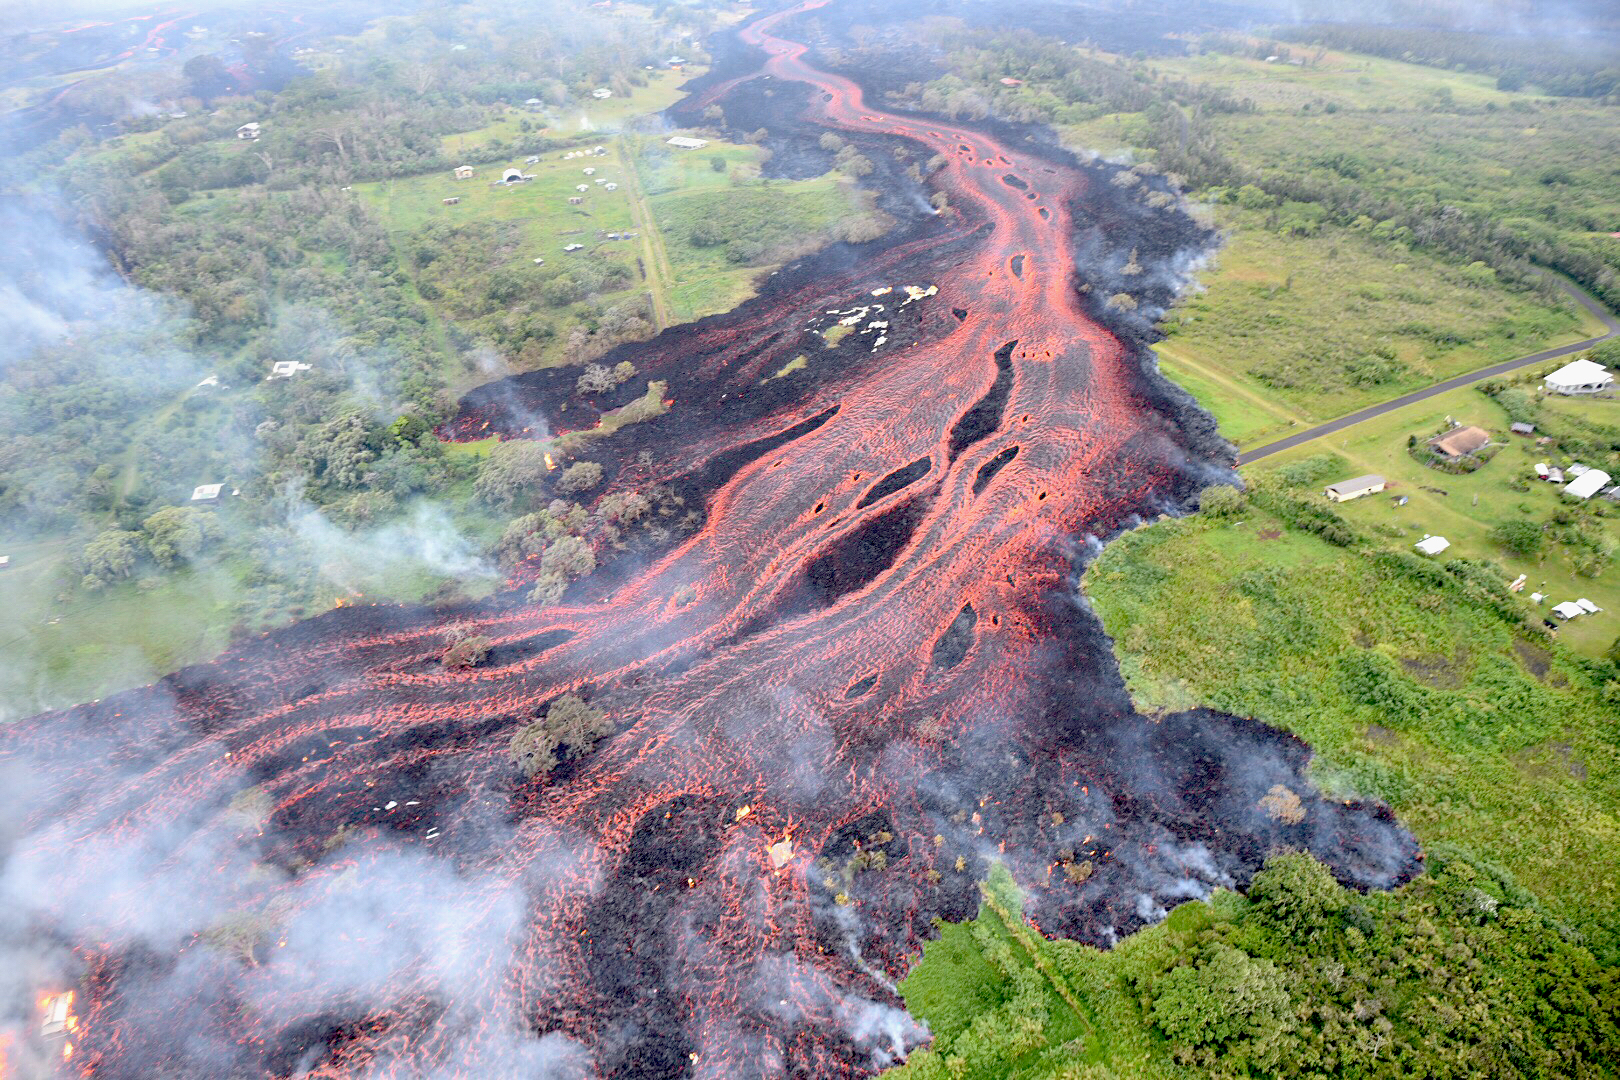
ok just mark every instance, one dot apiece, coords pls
pixel 1577 469
pixel 1522 429
pixel 599 151
pixel 599 181
pixel 1462 442
pixel 533 103
pixel 1569 609
pixel 58 1017
pixel 589 170
pixel 576 200
pixel 1345 490
pixel 573 247
pixel 1587 484
pixel 1432 545
pixel 677 61
pixel 1012 82
pixel 532 159
pixel 206 493
pixel 513 176
pixel 1555 475
pixel 1541 470
pixel 610 186
pixel 249 131
pixel 1517 584
pixel 464 172
pixel 5 562
pixel 601 93
pixel 452 200
pixel 286 369
pixel 538 261
pixel 683 142
pixel 1580 377
pixel 582 187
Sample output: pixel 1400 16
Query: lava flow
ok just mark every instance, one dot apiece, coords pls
pixel 863 678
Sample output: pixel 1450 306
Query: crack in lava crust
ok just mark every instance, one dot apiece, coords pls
pixel 627 918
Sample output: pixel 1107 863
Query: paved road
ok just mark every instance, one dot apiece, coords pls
pixel 1368 413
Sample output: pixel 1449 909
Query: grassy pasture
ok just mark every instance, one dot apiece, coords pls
pixel 1345 80
pixel 1291 327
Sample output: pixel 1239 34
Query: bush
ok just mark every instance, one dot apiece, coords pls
pixel 1520 537
pixel 1221 501
pixel 469 652
pixel 580 476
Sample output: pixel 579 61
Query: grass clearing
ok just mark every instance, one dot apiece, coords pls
pixel 1331 77
pixel 1309 327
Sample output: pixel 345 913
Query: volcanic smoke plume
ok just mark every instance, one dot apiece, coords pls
pixel 863 678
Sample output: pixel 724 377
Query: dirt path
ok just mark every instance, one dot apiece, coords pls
pixel 653 255
pixel 1603 314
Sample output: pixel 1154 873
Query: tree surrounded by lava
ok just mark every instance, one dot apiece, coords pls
pixel 317 856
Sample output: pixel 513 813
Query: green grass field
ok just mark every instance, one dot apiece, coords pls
pixel 1345 80
pixel 1475 734
pixel 1465 508
pixel 65 644
pixel 776 214
pixel 1306 328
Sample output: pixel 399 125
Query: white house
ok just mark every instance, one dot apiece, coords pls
pixel 464 172
pixel 682 142
pixel 1345 490
pixel 1580 377
pixel 206 493
pixel 286 369
pixel 601 93
pixel 249 131
pixel 513 176
pixel 1569 609
pixel 1432 545
pixel 1587 484
pixel 611 186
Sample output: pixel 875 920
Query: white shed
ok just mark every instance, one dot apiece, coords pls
pixel 1345 490
pixel 1580 377
pixel 1587 484
pixel 1569 609
pixel 206 493
pixel 1432 545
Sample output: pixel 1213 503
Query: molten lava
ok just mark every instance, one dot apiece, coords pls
pixel 315 857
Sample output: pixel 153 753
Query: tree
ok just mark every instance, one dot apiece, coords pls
pixel 1227 998
pixel 597 379
pixel 534 750
pixel 1520 537
pixel 1296 895
pixel 177 533
pixel 575 724
pixel 580 476
pixel 717 163
pixel 512 473
pixel 108 557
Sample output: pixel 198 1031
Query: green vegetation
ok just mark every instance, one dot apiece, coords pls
pixel 1468 508
pixel 1423 683
pixel 1461 972
pixel 570 727
pixel 1306 322
pixel 1386 219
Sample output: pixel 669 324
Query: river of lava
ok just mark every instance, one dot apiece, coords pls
pixel 314 856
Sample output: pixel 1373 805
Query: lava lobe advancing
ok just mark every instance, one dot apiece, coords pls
pixel 863 678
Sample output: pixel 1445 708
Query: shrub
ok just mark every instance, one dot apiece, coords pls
pixel 1221 501
pixel 580 476
pixel 1520 537
pixel 469 652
